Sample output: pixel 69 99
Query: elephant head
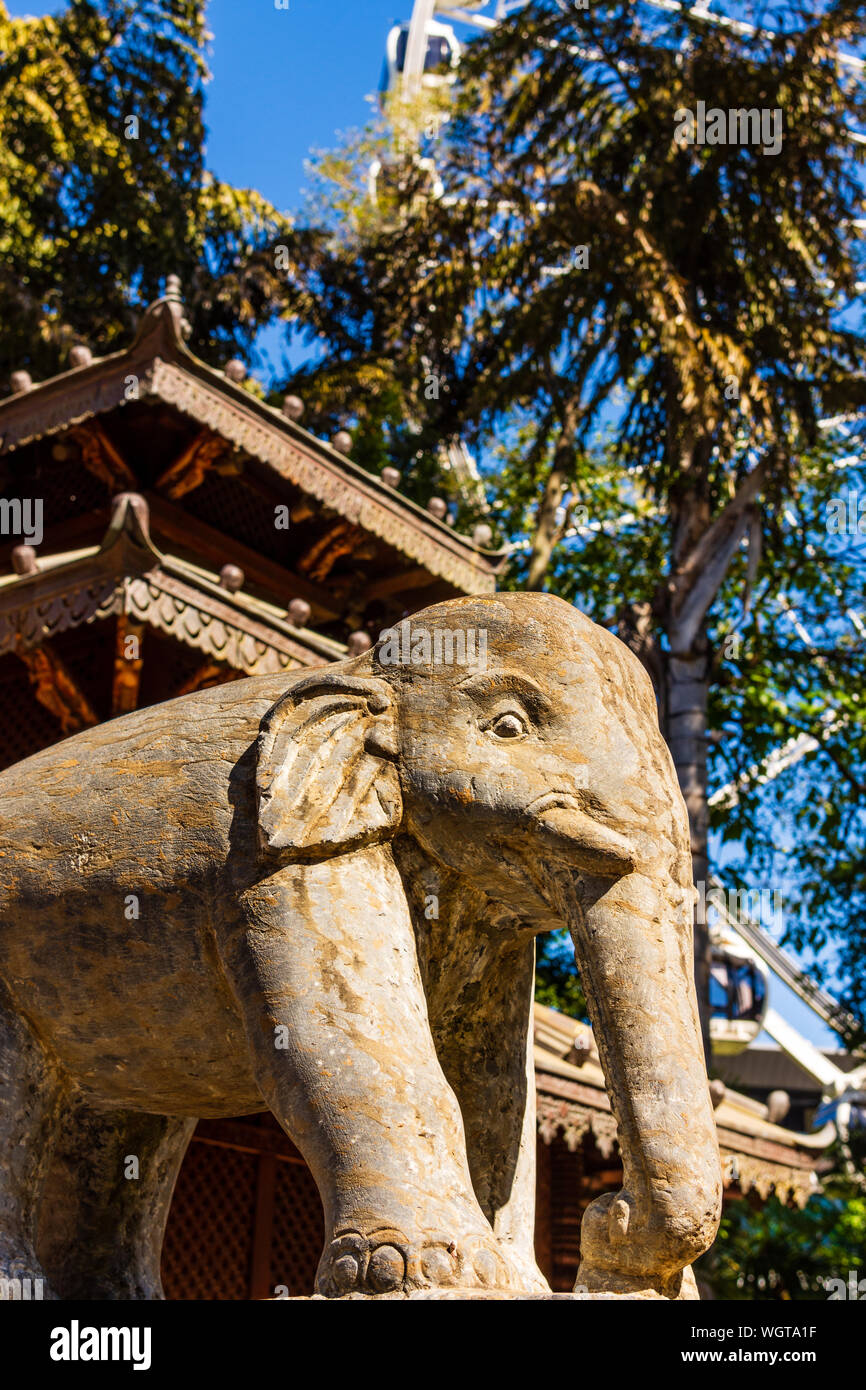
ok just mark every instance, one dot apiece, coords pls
pixel 530 763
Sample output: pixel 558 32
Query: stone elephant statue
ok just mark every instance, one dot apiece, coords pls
pixel 318 893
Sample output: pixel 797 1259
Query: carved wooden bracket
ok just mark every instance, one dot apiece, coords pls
pixel 128 665
pixel 190 469
pixel 340 539
pixel 56 689
pixel 575 1121
pixel 100 456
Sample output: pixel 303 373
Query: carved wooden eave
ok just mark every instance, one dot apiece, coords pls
pixel 571 1100
pixel 128 576
pixel 159 366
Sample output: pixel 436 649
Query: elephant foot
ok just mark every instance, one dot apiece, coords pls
pixel 388 1264
pixel 606 1283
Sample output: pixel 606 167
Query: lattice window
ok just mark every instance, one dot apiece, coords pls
pixel 567 1205
pixel 208 1243
pixel 245 1219
pixel 66 488
pixel 236 510
pixel 298 1231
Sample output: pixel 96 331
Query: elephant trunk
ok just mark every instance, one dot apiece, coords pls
pixel 633 944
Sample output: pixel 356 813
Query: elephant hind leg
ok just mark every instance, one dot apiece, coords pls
pixel 106 1199
pixel 31 1098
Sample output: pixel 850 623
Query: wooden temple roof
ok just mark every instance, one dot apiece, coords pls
pixel 211 528
pixel 264 444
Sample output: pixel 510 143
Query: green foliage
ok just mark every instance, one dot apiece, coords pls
pixel 557 983
pixel 103 190
pixel 776 1252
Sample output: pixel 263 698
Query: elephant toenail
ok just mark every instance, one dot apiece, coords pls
pixel 386 1269
pixel 486 1267
pixel 344 1273
pixel 437 1265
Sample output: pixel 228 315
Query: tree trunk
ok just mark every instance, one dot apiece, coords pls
pixel 687 694
pixel 547 531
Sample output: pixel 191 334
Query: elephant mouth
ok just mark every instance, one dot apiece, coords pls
pixel 579 839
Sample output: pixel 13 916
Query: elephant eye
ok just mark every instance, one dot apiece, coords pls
pixel 508 726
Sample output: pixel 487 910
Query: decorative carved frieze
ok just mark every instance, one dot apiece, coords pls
pixel 575 1121
pixel 248 646
pixel 750 1163
pixel 754 1174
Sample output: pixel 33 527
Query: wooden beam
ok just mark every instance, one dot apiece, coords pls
pixel 190 469
pixel 190 534
pixel 56 689
pixel 128 663
pixel 102 458
pixel 400 583
pixel 248 1138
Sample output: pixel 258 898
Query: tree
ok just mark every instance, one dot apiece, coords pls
pixel 103 189
pixel 652 331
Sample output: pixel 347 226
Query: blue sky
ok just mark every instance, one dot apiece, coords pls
pixel 286 81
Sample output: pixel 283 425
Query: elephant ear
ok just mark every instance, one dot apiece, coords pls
pixel 326 777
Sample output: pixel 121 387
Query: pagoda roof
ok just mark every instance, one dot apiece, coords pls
pixel 158 366
pixel 128 575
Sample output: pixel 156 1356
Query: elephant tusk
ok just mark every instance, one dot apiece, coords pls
pixel 619 1216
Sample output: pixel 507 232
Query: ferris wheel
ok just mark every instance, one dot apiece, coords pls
pixel 425 51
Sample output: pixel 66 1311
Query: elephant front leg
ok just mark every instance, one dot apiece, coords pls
pixel 327 975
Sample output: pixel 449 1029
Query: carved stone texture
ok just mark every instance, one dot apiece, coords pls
pixel 318 893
